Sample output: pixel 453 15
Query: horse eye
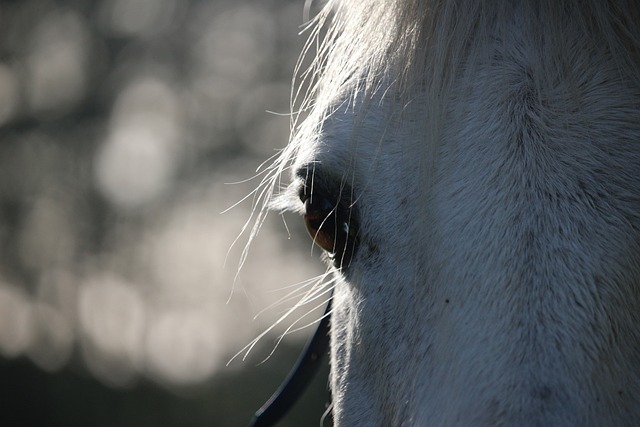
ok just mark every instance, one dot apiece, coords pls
pixel 331 227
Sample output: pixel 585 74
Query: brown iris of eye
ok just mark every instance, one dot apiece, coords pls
pixel 331 227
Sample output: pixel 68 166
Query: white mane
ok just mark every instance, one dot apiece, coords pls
pixel 489 153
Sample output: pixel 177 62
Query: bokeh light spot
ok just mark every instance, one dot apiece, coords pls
pixel 112 318
pixel 183 346
pixel 137 161
pixel 139 17
pixel 57 63
pixel 9 96
pixel 53 338
pixel 16 327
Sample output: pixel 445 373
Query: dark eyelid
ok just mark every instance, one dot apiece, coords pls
pixel 304 192
pixel 308 175
pixel 303 171
pixel 314 179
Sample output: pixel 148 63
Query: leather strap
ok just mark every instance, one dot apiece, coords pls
pixel 299 377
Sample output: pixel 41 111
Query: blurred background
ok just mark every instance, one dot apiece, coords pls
pixel 122 123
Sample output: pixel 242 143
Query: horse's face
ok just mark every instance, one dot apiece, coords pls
pixel 488 271
pixel 380 344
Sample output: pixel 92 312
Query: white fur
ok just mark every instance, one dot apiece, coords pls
pixel 497 188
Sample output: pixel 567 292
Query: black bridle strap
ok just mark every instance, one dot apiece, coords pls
pixel 298 379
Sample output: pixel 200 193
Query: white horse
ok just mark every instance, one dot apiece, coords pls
pixel 473 169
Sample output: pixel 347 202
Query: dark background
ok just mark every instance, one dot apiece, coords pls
pixel 122 123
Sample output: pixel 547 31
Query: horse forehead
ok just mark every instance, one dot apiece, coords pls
pixel 364 141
